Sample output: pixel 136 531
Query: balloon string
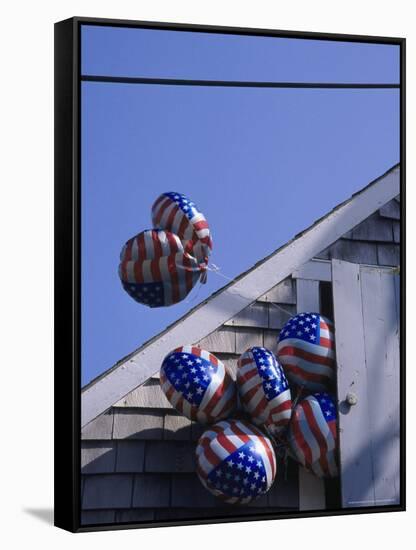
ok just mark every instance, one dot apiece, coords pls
pixel 216 269
pixel 213 268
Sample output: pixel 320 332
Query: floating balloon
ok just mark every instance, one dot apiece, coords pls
pixel 154 269
pixel 151 244
pixel 176 213
pixel 198 384
pixel 235 461
pixel 313 434
pixel 306 349
pixel 263 389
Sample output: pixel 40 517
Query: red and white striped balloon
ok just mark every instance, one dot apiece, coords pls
pixel 198 384
pixel 174 212
pixel 235 461
pixel 154 269
pixel 263 389
pixel 306 349
pixel 313 435
pixel 151 244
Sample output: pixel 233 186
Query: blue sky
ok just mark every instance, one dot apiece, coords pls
pixel 262 164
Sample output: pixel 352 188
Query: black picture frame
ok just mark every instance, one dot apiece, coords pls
pixel 68 268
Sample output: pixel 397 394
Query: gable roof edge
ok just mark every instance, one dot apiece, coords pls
pixel 136 368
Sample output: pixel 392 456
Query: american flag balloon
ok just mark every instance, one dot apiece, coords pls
pixel 198 384
pixel 306 349
pixel 154 269
pixel 263 389
pixel 235 461
pixel 313 434
pixel 176 213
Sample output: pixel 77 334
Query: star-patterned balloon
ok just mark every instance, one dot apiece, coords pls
pixel 198 384
pixel 235 461
pixel 306 349
pixel 263 389
pixel 176 213
pixel 313 434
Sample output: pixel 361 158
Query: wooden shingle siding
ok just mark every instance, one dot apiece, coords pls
pixel 197 430
pixel 283 293
pixel 176 427
pixel 130 423
pixel 222 340
pixel 130 456
pixel 247 337
pixel 169 456
pixel 98 457
pixel 278 316
pixel 149 395
pixel 388 254
pixel 359 252
pixel 391 210
pixel 99 428
pixel 374 228
pixel 255 315
pixel 396 232
pixel 270 339
pixel 151 491
pixel 187 491
pixel 107 491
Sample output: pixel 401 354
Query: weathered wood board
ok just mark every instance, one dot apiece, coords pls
pixel 367 329
pixel 311 488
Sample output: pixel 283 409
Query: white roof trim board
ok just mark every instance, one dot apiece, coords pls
pixel 132 371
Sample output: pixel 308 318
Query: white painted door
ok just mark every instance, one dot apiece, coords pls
pixel 367 323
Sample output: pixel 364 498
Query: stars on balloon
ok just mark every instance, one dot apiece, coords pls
pixel 274 380
pixel 304 326
pixel 186 205
pixel 189 375
pixel 242 474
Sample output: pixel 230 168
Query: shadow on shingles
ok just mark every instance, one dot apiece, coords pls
pixel 42 514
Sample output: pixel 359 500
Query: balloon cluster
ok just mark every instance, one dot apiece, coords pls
pixel 250 418
pixel 160 266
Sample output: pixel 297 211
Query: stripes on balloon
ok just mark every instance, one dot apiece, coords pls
pixel 198 384
pixel 235 461
pixel 154 269
pixel 313 434
pixel 176 213
pixel 263 389
pixel 306 349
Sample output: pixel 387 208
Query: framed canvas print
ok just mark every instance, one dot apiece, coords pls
pixel 229 274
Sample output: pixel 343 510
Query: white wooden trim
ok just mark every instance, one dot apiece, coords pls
pixel 318 270
pixel 222 306
pixel 311 488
